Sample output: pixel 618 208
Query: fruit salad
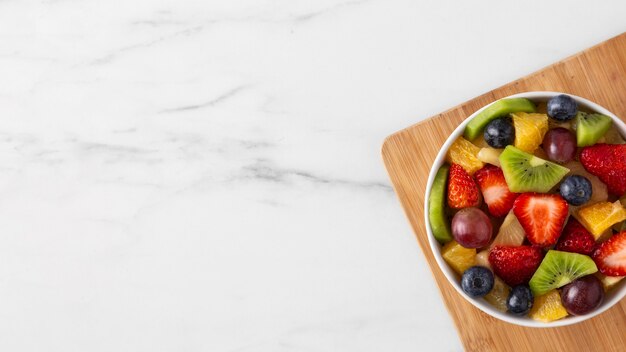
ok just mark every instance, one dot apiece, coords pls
pixel 529 207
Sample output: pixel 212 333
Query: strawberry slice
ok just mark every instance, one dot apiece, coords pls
pixel 608 162
pixel 462 190
pixel 542 216
pixel 610 256
pixel 575 238
pixel 515 265
pixel 495 191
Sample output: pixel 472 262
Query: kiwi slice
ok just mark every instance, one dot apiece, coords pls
pixel 436 207
pixel 499 108
pixel 591 127
pixel 558 269
pixel 527 173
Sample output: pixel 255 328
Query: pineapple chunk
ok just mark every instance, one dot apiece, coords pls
pixel 458 257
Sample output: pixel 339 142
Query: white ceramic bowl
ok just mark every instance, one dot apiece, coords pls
pixel 612 297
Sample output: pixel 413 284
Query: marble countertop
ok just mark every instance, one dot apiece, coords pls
pixel 206 176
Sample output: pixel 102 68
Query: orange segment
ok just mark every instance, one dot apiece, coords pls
pixel 548 307
pixel 599 217
pixel 464 153
pixel 529 130
pixel 458 257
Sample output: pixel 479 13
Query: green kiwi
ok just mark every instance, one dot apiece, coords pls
pixel 436 206
pixel 590 128
pixel 499 108
pixel 558 269
pixel 527 173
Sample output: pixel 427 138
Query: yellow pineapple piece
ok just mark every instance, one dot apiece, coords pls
pixel 490 156
pixel 482 259
pixel 464 153
pixel 498 294
pixel 511 232
pixel 529 130
pixel 548 307
pixel 599 217
pixel 608 281
pixel 458 257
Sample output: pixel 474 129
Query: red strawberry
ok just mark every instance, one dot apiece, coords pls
pixel 515 265
pixel 575 238
pixel 608 162
pixel 610 256
pixel 462 190
pixel 542 216
pixel 495 191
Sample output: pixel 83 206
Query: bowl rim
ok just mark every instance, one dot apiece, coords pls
pixel 609 301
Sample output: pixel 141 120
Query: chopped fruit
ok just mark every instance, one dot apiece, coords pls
pixel 520 300
pixel 499 108
pixel 464 153
pixel 591 127
pixel 548 307
pixel 575 238
pixel 583 295
pixel 527 173
pixel 559 269
pixel 458 257
pixel 542 217
pixel 489 156
pixel 482 259
pixel 620 226
pixel 436 207
pixel 559 145
pixel 562 107
pixel 552 123
pixel 529 130
pixel 499 294
pixel 610 256
pixel 462 190
pixel 608 162
pixel 499 132
pixel 477 281
pixel 599 217
pixel 495 191
pixel 515 265
pixel 599 192
pixel 608 281
pixel 471 228
pixel 576 189
pixel 612 136
pixel 511 232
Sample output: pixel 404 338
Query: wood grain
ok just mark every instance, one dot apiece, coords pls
pixel 598 74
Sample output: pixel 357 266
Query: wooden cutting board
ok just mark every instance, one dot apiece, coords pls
pixel 598 74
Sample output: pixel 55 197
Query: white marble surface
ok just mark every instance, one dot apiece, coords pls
pixel 205 175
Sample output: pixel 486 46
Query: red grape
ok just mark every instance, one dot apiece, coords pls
pixel 583 295
pixel 471 228
pixel 560 145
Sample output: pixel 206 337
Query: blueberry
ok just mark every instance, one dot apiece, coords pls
pixel 477 281
pixel 562 107
pixel 576 190
pixel 520 300
pixel 499 133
